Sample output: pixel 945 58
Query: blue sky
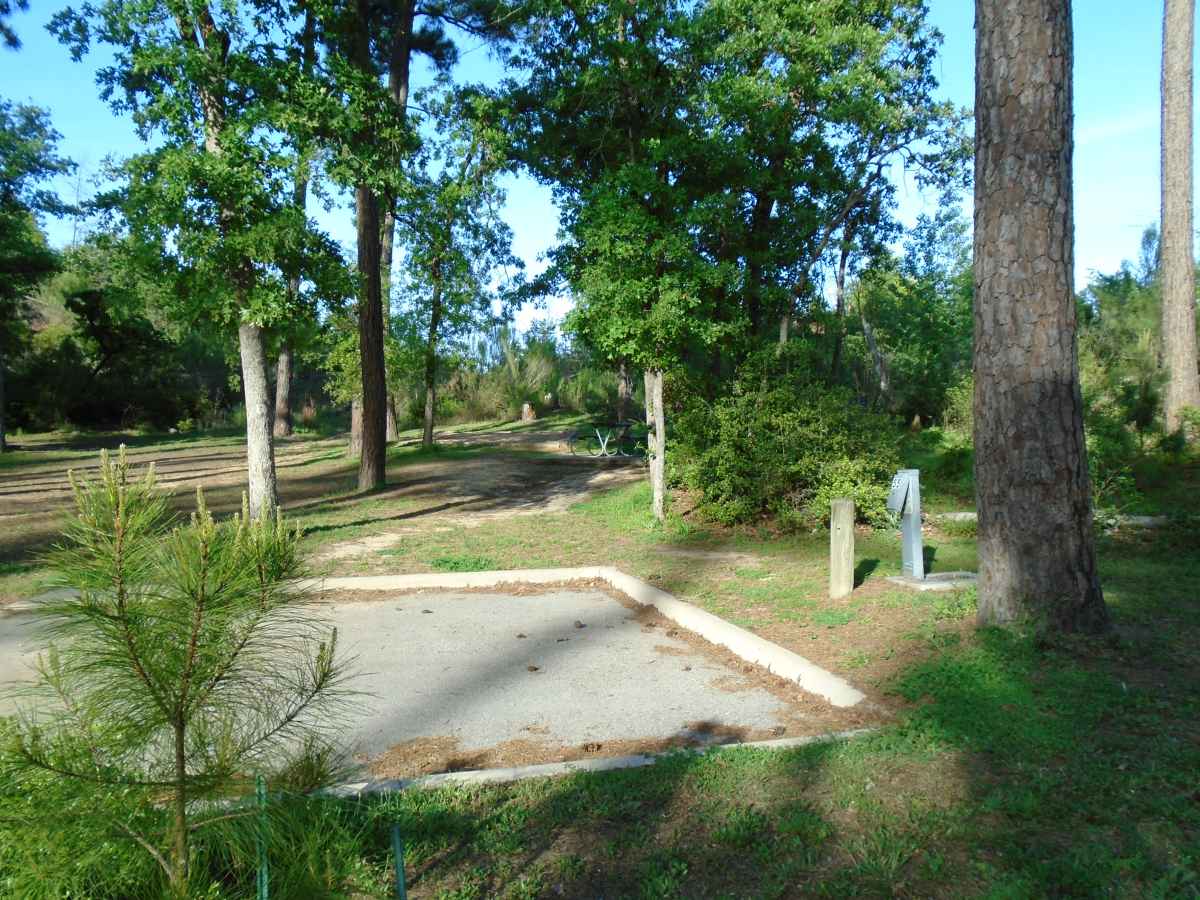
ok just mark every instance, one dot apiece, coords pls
pixel 1117 48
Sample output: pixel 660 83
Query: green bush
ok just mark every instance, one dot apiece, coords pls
pixel 786 451
pixel 959 413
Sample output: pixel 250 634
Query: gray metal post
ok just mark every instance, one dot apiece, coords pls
pixel 905 499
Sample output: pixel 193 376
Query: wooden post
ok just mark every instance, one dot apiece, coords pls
pixel 841 548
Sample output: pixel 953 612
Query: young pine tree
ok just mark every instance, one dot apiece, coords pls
pixel 184 666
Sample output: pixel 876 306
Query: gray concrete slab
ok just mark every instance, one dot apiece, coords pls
pixel 484 668
pixel 18 652
pixel 564 667
pixel 936 581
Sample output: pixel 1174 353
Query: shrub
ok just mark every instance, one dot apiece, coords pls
pixel 959 413
pixel 1111 448
pixel 787 451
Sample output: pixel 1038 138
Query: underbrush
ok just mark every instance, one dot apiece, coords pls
pixel 786 452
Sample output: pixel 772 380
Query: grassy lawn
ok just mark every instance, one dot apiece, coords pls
pixel 1004 765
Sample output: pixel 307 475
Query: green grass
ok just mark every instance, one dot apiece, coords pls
pixel 459 562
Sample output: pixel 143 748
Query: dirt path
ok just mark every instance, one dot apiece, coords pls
pixel 316 477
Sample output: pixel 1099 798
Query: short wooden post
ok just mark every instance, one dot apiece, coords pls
pixel 841 548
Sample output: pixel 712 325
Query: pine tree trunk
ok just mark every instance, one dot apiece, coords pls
pixel 371 460
pixel 260 450
pixel 179 823
pixel 1036 553
pixel 658 443
pixel 283 393
pixel 1178 264
pixel 624 391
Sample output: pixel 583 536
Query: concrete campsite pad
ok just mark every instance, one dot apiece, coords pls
pixel 485 669
pixel 481 670
pixel 568 667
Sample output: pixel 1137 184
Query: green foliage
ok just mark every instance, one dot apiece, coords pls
pixel 787 450
pixel 107 353
pixel 959 413
pixel 28 159
pixel 919 308
pixel 185 664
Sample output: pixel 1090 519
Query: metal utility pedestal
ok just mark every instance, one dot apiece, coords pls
pixel 905 499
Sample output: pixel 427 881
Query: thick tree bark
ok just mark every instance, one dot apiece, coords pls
pixel 624 390
pixel 1178 264
pixel 260 449
pixel 658 442
pixel 1036 553
pixel 371 460
pixel 435 322
pixel 283 393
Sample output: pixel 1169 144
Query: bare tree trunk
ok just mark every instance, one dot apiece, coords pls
pixel 624 390
pixel 356 426
pixel 840 308
pixel 878 360
pixel 371 461
pixel 260 450
pixel 785 325
pixel 658 442
pixel 179 822
pixel 435 321
pixel 1178 265
pixel 391 433
pixel 430 405
pixel 1036 553
pixel 283 392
